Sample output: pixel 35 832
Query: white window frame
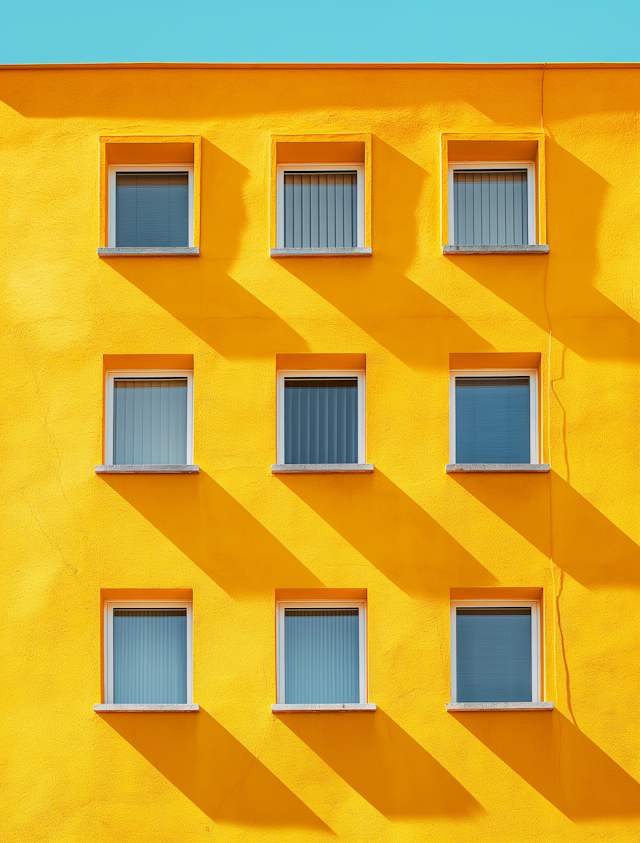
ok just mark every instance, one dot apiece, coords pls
pixel 316 374
pixel 110 605
pixel 493 165
pixel 360 605
pixel 536 665
pixel 145 374
pixel 114 169
pixel 317 168
pixel 532 374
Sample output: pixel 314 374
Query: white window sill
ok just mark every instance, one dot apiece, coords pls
pixel 473 467
pixel 145 707
pixel 146 251
pixel 322 468
pixel 284 707
pixel 501 706
pixel 147 469
pixel 326 253
pixel 495 250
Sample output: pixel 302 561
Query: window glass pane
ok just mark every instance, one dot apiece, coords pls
pixel 493 420
pixel 152 209
pixel 321 420
pixel 150 421
pixel 320 210
pixel 490 208
pixel 493 655
pixel 321 656
pixel 150 655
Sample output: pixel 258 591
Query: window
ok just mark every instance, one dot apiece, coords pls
pixel 149 418
pixel 320 206
pixel 151 206
pixel 148 653
pixel 321 418
pixel 495 651
pixel 321 652
pixel 494 417
pixel 492 204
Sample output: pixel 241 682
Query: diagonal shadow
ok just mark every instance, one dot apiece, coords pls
pixel 213 769
pixel 392 531
pixel 559 761
pixel 520 500
pixel 199 292
pixel 559 288
pixel 587 545
pixel 216 532
pixel 384 764
pixel 374 293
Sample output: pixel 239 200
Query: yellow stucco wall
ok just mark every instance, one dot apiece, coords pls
pixel 408 533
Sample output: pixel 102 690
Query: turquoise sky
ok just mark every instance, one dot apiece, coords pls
pixel 70 31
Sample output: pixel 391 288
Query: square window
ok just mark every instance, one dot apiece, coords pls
pixel 495 652
pixel 151 206
pixel 149 418
pixel 148 653
pixel 494 417
pixel 321 417
pixel 320 207
pixel 321 649
pixel 492 204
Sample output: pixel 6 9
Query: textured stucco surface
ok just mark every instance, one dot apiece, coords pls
pixel 234 533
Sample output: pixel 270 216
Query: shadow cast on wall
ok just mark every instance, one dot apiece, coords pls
pixel 215 94
pixel 520 500
pixel 214 770
pixel 384 764
pixel 216 532
pixel 587 545
pixel 199 292
pixel 559 761
pixel 559 288
pixel 392 531
pixel 374 293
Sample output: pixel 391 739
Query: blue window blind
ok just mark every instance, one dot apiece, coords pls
pixel 493 420
pixel 320 210
pixel 493 655
pixel 152 209
pixel 490 207
pixel 150 421
pixel 321 420
pixel 321 656
pixel 150 655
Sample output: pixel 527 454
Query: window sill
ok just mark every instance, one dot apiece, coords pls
pixel 323 468
pixel 497 467
pixel 285 707
pixel 495 250
pixel 501 706
pixel 146 251
pixel 146 707
pixel 147 469
pixel 326 253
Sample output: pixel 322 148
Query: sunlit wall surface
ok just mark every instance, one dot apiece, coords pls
pixel 407 538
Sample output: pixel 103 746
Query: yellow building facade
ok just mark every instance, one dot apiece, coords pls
pixel 399 536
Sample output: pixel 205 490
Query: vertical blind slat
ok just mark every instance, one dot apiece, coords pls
pixel 321 656
pixel 490 207
pixel 493 655
pixel 150 421
pixel 321 420
pixel 320 210
pixel 493 420
pixel 149 656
